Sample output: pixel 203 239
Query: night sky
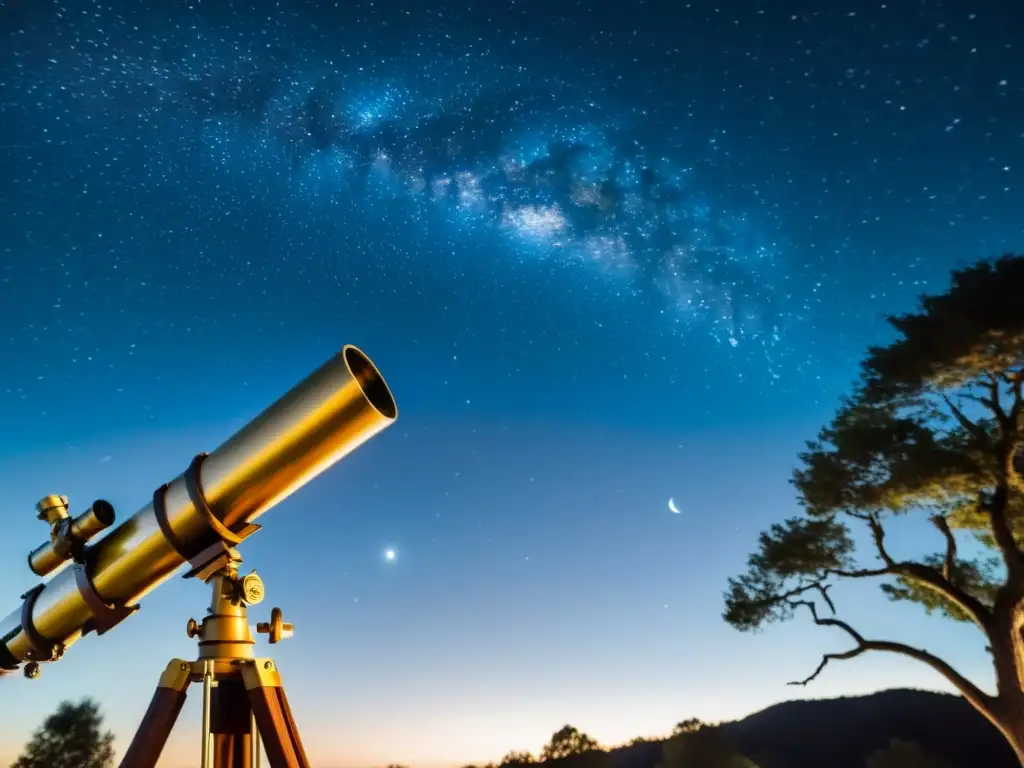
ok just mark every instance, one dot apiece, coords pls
pixel 605 254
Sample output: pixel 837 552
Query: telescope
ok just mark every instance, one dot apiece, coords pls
pixel 199 518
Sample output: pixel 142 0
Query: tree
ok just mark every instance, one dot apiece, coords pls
pixel 567 741
pixel 903 754
pixel 689 725
pixel 517 758
pixel 933 431
pixel 70 738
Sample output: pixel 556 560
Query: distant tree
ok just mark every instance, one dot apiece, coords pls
pixel 567 741
pixel 72 737
pixel 690 725
pixel 932 431
pixel 903 754
pixel 703 747
pixel 518 758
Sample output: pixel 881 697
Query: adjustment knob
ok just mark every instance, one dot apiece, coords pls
pixel 192 629
pixel 32 670
pixel 276 627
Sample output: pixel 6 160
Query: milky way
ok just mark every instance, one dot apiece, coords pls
pixel 562 174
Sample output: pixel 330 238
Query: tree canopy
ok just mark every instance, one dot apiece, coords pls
pixel 931 430
pixel 518 758
pixel 72 737
pixel 567 741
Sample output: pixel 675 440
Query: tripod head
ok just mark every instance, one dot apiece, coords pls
pixel 198 518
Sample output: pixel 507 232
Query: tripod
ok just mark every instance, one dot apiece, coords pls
pixel 243 699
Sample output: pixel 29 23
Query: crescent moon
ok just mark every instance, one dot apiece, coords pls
pixel 672 506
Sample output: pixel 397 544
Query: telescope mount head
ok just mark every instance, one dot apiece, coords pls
pixel 224 633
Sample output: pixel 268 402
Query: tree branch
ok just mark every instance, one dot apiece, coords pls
pixel 1016 382
pixel 995 507
pixel 949 563
pixel 994 403
pixel 941 583
pixel 862 573
pixel 983 702
pixel 878 534
pixel 961 417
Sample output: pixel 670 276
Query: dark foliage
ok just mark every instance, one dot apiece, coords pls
pixel 72 737
pixel 845 733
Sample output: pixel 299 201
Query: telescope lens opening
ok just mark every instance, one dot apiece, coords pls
pixel 104 512
pixel 371 382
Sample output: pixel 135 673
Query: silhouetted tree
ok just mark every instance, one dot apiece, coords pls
pixel 72 737
pixel 639 740
pixel 702 747
pixel 518 758
pixel 567 741
pixel 690 725
pixel 933 431
pixel 903 754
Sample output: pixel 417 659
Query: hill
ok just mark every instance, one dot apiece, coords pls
pixel 842 733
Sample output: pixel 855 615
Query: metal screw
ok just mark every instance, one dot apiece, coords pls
pixel 32 670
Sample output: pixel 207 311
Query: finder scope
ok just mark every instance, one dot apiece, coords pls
pixel 195 518
pixel 68 535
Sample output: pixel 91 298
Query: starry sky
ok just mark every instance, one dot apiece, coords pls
pixel 604 255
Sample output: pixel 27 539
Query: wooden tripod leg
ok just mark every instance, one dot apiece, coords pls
pixel 156 725
pixel 274 719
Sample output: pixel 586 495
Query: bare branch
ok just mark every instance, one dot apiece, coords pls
pixel 949 563
pixel 878 534
pixel 824 663
pixel 823 591
pixel 983 702
pixel 863 573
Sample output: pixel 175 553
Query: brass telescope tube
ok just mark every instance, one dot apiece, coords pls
pixel 333 411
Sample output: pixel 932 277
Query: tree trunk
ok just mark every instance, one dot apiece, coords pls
pixel 1007 647
pixel 1013 732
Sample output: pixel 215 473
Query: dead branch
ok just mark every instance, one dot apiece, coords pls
pixel 983 702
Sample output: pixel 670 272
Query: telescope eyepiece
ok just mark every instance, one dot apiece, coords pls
pixel 68 536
